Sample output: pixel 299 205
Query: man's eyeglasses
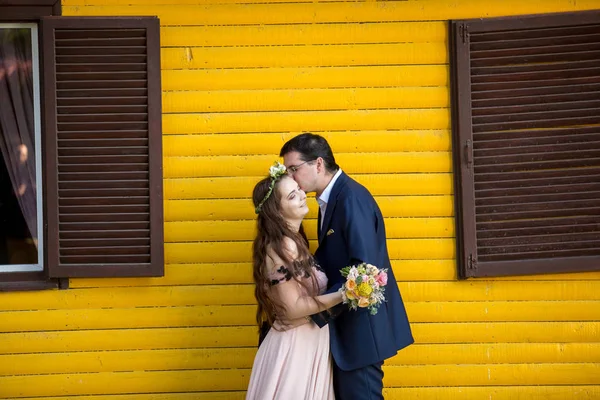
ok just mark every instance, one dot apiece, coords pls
pixel 293 168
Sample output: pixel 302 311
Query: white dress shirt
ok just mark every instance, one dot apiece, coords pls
pixel 323 199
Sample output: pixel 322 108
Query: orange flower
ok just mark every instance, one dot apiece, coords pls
pixel 351 284
pixel 363 302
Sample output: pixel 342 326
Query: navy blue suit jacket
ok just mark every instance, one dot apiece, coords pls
pixel 353 231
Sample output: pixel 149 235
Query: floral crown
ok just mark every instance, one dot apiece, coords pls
pixel 276 171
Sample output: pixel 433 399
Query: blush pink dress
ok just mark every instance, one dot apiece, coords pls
pixel 295 363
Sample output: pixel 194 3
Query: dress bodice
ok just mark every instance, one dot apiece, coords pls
pixel 284 274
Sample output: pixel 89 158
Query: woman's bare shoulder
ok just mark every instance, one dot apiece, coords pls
pixel 289 247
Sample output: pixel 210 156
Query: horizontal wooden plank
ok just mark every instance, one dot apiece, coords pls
pixel 354 163
pixel 237 209
pixel 546 392
pixel 496 374
pixel 185 231
pixel 265 122
pixel 344 33
pixel 498 311
pixel 303 56
pixel 341 142
pixel 123 361
pixel 128 318
pixel 122 382
pixel 214 380
pixel 223 358
pixel 233 273
pixel 240 188
pixel 323 12
pixel 496 353
pixel 206 316
pixel 243 294
pixel 305 78
pixel 225 395
pixel 562 392
pixel 178 2
pixel 247 336
pixel 407 249
pixel 304 99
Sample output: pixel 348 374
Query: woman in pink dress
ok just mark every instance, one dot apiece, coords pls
pixel 293 362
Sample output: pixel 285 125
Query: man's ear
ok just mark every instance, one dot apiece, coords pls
pixel 320 165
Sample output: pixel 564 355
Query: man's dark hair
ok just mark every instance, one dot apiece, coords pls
pixel 311 146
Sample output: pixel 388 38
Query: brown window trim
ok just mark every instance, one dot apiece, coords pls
pixel 27 281
pixel 463 143
pixel 29 11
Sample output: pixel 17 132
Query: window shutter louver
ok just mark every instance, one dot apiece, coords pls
pixel 103 146
pixel 526 121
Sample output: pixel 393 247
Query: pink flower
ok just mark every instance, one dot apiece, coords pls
pixel 382 278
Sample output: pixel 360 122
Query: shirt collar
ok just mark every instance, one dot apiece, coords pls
pixel 324 197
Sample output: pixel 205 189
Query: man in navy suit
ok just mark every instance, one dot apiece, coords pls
pixel 350 231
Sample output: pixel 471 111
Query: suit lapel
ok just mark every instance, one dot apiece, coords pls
pixel 335 191
pixel 319 223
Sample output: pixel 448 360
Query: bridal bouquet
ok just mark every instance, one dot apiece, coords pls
pixel 364 286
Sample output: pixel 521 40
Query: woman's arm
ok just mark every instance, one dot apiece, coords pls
pixel 293 296
pixel 299 305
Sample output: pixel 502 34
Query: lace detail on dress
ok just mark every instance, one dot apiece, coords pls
pixel 318 267
pixel 286 275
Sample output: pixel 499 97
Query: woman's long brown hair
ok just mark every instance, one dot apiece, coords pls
pixel 272 229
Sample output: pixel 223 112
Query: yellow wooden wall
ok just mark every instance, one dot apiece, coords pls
pixel 239 78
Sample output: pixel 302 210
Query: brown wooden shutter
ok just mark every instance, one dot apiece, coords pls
pixel 526 128
pixel 102 146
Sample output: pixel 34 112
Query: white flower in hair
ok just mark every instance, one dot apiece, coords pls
pixel 277 170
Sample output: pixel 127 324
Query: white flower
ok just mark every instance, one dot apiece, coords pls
pixel 353 273
pixel 277 170
pixel 372 269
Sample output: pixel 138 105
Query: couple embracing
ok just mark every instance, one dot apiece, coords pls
pixel 313 347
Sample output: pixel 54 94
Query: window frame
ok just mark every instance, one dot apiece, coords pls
pixel 46 14
pixel 462 143
pixel 37 123
pixel 31 11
